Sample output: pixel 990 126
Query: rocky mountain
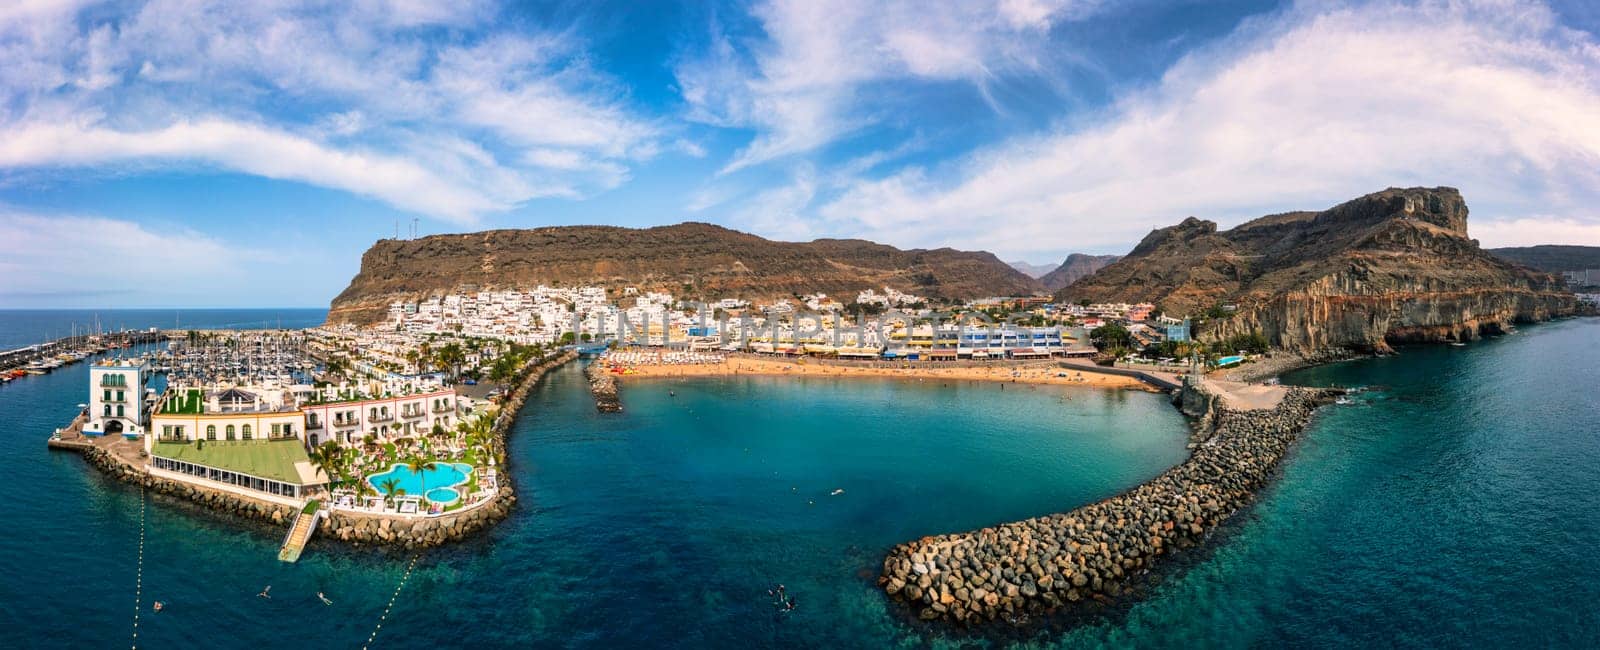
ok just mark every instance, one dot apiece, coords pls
pixel 1076 266
pixel 1031 270
pixel 1394 266
pixel 693 260
pixel 1552 258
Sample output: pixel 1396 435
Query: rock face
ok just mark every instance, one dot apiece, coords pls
pixel 1394 266
pixel 1094 554
pixel 1077 266
pixel 691 260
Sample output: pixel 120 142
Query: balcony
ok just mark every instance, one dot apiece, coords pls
pixel 113 381
pixel 443 408
pixel 381 417
pixel 313 425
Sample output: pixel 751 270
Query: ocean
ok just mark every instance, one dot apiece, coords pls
pixel 24 327
pixel 1450 504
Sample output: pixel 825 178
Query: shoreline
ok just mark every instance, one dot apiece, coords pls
pixel 1029 372
pixel 1077 562
pixel 342 526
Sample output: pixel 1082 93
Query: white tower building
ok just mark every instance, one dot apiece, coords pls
pixel 116 398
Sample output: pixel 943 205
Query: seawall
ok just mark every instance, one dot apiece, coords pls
pixel 1093 554
pixel 345 526
pixel 603 385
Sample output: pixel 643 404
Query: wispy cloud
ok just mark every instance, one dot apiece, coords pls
pixel 329 94
pixel 802 85
pixel 1301 110
pixel 55 256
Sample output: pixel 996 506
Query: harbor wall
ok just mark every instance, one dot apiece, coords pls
pixel 603 386
pixel 1092 556
pixel 342 525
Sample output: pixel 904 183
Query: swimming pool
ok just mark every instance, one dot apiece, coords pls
pixel 439 475
pixel 1228 361
pixel 445 496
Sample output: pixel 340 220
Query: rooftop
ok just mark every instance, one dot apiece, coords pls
pixel 278 460
pixel 190 401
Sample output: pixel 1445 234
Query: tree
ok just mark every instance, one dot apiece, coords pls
pixel 1111 336
pixel 419 465
pixel 390 488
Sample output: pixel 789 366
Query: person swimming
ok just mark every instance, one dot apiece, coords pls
pixel 157 606
pixel 324 599
pixel 264 592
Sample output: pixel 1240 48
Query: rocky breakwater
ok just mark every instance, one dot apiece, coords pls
pixel 211 500
pixel 603 385
pixel 1094 554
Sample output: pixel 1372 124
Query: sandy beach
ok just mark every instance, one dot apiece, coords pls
pixel 1030 373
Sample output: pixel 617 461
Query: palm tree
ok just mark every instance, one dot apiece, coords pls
pixel 390 489
pixel 418 465
pixel 321 461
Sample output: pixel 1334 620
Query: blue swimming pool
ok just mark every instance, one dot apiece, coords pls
pixel 445 496
pixel 1228 361
pixel 440 475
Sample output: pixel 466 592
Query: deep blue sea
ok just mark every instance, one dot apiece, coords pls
pixel 1452 504
pixel 24 327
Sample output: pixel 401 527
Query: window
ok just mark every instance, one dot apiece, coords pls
pixel 246 431
pixel 276 429
pixel 119 410
pixel 119 396
pixel 230 432
pixel 107 397
pixel 211 432
pixel 108 410
pixel 166 431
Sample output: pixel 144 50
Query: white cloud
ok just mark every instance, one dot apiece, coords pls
pixel 263 152
pixel 1532 231
pixel 62 259
pixel 801 87
pixel 329 94
pixel 1301 112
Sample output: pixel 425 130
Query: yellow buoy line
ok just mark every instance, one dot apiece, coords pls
pixel 392 598
pixel 138 573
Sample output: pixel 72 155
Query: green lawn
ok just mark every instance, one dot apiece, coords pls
pixel 188 402
pixel 269 459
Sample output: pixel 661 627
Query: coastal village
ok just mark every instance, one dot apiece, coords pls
pixel 396 421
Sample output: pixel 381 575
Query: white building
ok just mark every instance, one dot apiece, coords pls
pixel 116 399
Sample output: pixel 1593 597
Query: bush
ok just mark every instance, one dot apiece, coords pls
pixel 311 507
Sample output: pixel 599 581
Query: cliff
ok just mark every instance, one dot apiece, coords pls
pixel 691 260
pixel 1074 268
pixel 1394 266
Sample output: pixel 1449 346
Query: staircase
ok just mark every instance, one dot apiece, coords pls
pixel 304 525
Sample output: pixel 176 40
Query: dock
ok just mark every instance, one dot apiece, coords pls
pixel 305 524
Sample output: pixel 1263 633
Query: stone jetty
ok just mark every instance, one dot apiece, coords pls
pixel 355 528
pixel 1056 563
pixel 604 387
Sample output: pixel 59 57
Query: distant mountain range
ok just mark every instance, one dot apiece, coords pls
pixel 690 260
pixel 1031 270
pixel 1393 266
pixel 1076 267
pixel 1552 258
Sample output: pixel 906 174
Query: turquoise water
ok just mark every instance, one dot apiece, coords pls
pixel 443 495
pixel 1453 504
pixel 438 475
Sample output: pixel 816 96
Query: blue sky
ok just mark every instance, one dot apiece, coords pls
pixel 195 153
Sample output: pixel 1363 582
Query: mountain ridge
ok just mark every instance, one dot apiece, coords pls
pixel 690 259
pixel 1389 267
